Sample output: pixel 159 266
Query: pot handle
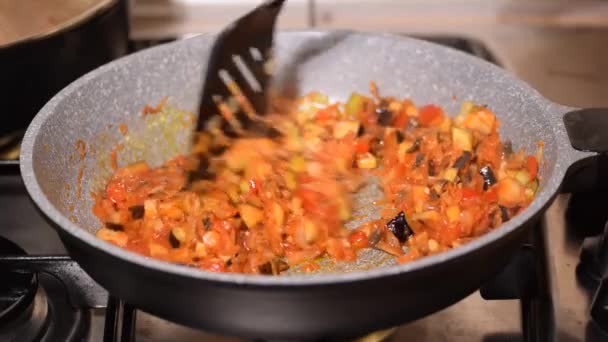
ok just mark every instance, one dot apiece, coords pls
pixel 587 130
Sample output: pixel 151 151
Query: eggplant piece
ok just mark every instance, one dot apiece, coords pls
pixel 434 195
pixel 117 227
pixel 415 147
pixel 137 211
pixel 400 137
pixel 273 267
pixel 462 160
pixel 431 168
pixel 467 176
pixel 504 213
pixel 265 268
pixel 217 150
pixel 419 159
pixel 202 172
pixel 376 147
pixel 488 177
pixel 412 123
pixel 385 116
pixel 507 148
pixel 374 237
pixel 207 223
pixel 360 131
pixel 173 241
pixel 400 228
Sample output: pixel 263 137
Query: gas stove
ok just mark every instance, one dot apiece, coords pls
pixel 552 289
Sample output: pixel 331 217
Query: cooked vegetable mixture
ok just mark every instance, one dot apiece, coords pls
pixel 263 205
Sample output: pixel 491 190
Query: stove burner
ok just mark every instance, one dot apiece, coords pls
pixel 17 289
pixel 593 265
pixel 35 306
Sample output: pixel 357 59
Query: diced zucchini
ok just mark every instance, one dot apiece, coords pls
pixel 523 177
pixel 450 174
pixel 404 147
pixel 179 234
pixel 433 245
pixel 318 98
pixel 233 192
pixel 297 164
pixel 411 110
pixel 367 161
pixel 342 128
pixel 200 251
pixel 482 121
pixel 355 105
pixel 343 210
pixel 429 215
pixel 294 140
pixel 462 139
pixel 529 193
pixel 116 237
pixel 279 213
pixel 311 231
pixel 533 185
pixel 250 215
pixel 290 180
pixel 174 241
pixel 157 250
pixel 445 125
pixel 466 107
pixel 453 213
pixel 296 206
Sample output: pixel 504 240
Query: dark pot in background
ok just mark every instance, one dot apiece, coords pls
pixel 70 38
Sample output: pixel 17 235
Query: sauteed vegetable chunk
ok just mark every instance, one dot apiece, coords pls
pixel 266 205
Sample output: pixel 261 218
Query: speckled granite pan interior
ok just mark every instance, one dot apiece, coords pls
pixel 60 177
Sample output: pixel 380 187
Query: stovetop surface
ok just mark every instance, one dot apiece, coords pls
pixel 472 319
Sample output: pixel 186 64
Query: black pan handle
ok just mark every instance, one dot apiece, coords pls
pixel 587 131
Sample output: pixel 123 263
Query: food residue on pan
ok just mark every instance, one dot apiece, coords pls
pixel 81 148
pixel 114 155
pixel 153 138
pixel 123 129
pixel 156 109
pixel 265 205
pixel 79 182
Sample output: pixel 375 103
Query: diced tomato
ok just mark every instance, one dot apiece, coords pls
pixel 215 266
pixel 409 256
pixel 401 120
pixel 362 145
pixel 310 198
pixel 116 192
pixel 310 266
pixel 450 235
pixel 430 115
pixel 510 193
pixel 323 115
pixel 469 195
pixel 490 195
pixel 532 166
pixel 254 186
pixel 326 114
pixel 358 239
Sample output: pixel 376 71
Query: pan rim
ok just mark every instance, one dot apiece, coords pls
pixel 62 222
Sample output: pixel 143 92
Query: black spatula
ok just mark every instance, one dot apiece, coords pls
pixel 237 76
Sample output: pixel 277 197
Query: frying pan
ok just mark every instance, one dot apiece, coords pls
pixel 341 302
